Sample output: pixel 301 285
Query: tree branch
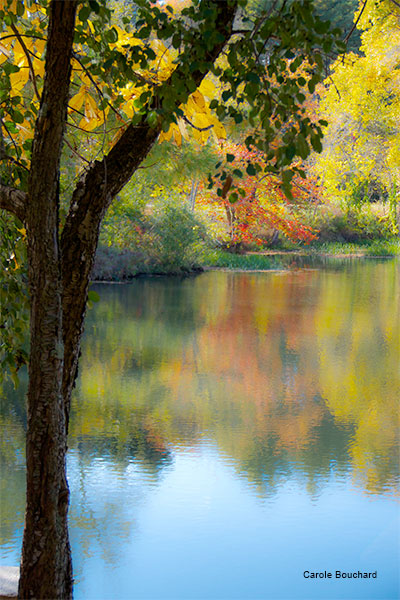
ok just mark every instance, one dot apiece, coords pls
pixel 14 201
pixel 28 58
pixel 346 39
pixel 95 191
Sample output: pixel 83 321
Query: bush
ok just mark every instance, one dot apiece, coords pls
pixel 354 226
pixel 113 264
pixel 175 240
pixel 170 239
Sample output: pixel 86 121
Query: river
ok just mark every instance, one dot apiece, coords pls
pixel 231 434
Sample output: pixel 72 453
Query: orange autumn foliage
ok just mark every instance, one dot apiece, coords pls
pixel 260 204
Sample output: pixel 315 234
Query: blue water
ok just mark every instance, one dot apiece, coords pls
pixel 229 433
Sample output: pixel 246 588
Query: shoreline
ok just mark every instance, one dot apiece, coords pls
pixel 241 269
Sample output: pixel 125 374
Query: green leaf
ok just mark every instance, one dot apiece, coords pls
pixel 94 6
pixel 316 143
pixel 84 13
pixel 93 296
pixel 290 151
pixel 20 9
pixel 152 119
pixel 111 35
pixel 230 157
pixel 176 40
pixel 233 197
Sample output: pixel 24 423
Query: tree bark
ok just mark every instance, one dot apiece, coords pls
pixel 14 201
pixel 46 568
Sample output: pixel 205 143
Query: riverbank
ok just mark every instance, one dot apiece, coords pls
pixel 119 266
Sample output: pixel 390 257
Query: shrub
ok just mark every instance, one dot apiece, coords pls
pixel 169 239
pixel 175 240
pixel 354 226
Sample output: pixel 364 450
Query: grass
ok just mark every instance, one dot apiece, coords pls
pixel 259 261
pixel 368 248
pixel 246 262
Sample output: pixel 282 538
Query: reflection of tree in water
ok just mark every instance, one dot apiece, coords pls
pixel 248 363
pixel 12 461
pixel 113 463
pixel 292 376
pixel 136 456
pixel 109 481
pixel 269 463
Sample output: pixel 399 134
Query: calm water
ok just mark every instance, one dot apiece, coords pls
pixel 229 432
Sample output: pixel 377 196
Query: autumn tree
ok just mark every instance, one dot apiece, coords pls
pixel 361 100
pixel 67 67
pixel 254 205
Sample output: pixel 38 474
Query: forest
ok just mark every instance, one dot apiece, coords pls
pixel 146 138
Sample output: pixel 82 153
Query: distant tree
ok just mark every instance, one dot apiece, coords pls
pixel 360 161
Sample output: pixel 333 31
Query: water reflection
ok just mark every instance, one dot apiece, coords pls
pixel 285 373
pixel 229 398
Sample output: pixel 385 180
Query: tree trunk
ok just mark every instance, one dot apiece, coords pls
pixel 46 568
pixel 58 281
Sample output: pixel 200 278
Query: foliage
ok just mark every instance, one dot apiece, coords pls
pixel 168 239
pixel 119 75
pixel 254 204
pixel 336 224
pixel 13 297
pixel 175 239
pixel 246 262
pixel 360 161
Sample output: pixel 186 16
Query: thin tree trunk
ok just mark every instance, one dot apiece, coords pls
pixel 193 194
pixel 46 568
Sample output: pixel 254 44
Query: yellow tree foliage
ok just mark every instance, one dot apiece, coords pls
pixel 361 102
pixel 95 104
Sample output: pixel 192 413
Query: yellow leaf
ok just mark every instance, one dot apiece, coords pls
pixel 207 88
pixel 199 101
pixel 93 116
pixel 166 135
pixel 77 100
pixel 219 130
pixel 201 120
pixel 38 67
pixel 24 131
pixel 182 128
pixel 91 26
pixel 4 53
pixel 18 80
pixel 19 54
pixel 177 135
pixel 11 7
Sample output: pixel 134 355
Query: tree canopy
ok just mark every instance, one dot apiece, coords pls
pixel 361 102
